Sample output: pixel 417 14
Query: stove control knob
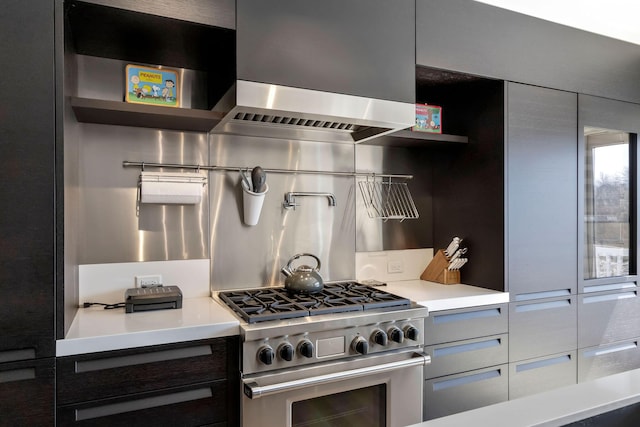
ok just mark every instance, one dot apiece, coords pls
pixel 379 337
pixel 396 334
pixel 266 355
pixel 285 351
pixel 360 345
pixel 305 348
pixel 411 332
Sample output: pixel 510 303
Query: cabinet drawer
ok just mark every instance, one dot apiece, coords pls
pixel 541 374
pixel 205 404
pixel 605 317
pixel 27 393
pixel 117 373
pixel 461 392
pixel 608 359
pixel 467 355
pixel 454 325
pixel 541 327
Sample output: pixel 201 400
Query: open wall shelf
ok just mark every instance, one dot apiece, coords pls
pixel 140 115
pixel 408 138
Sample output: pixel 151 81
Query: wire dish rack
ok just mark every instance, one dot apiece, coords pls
pixel 386 199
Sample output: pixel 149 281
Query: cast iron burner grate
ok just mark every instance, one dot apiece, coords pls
pixel 259 305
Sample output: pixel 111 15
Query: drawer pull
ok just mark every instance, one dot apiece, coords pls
pixel 611 349
pixel 543 363
pixel 609 297
pixel 474 346
pixel 15 355
pixel 146 403
pixel 543 305
pixel 468 379
pixel 17 375
pixel 543 294
pixel 612 287
pixel 138 359
pixel 467 315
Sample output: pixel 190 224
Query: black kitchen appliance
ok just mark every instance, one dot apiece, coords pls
pixel 152 298
pixel 258 305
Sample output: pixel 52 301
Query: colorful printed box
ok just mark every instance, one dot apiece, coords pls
pixel 153 86
pixel 428 118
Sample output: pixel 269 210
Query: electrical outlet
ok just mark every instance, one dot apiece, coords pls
pixel 395 267
pixel 148 281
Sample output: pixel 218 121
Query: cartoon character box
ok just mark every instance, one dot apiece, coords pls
pixel 428 118
pixel 155 86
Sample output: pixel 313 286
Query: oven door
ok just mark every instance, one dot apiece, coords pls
pixel 378 390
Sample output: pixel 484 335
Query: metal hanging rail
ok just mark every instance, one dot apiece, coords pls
pixel 241 169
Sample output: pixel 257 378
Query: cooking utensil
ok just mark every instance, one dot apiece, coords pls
pixel 456 264
pixel 258 179
pixel 246 181
pixel 458 253
pixel 453 250
pixel 303 279
pixel 446 251
pixel 453 246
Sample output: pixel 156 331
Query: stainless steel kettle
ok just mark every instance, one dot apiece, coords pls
pixel 303 279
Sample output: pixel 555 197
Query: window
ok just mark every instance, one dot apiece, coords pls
pixel 607 199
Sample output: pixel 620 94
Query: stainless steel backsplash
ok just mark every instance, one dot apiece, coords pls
pixel 106 225
pixel 247 256
pixel 113 226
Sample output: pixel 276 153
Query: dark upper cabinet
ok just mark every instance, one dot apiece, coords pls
pixel 191 34
pixel 27 176
pixel 361 47
pixel 542 179
pixel 217 13
pixel 480 39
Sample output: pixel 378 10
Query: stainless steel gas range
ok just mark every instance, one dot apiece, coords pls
pixel 350 355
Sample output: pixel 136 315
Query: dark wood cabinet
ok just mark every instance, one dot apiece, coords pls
pixel 28 218
pixel 26 393
pixel 28 176
pixel 542 183
pixel 468 369
pixel 362 48
pixel 194 35
pixel 542 215
pixel 468 179
pixel 185 406
pixel 611 346
pixel 186 384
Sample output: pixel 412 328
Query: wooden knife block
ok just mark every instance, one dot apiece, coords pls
pixel 437 270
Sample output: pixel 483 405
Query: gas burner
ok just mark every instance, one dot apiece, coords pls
pixel 258 305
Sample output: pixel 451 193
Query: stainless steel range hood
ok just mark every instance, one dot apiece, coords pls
pixel 267 110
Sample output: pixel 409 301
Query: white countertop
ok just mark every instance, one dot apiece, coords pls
pixel 436 296
pixel 95 329
pixel 553 408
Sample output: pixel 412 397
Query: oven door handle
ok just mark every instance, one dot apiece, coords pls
pixel 255 391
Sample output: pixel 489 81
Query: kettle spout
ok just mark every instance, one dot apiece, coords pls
pixel 286 271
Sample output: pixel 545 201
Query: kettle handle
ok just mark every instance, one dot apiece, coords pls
pixel 296 256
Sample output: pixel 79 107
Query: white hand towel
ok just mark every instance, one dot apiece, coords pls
pixel 171 187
